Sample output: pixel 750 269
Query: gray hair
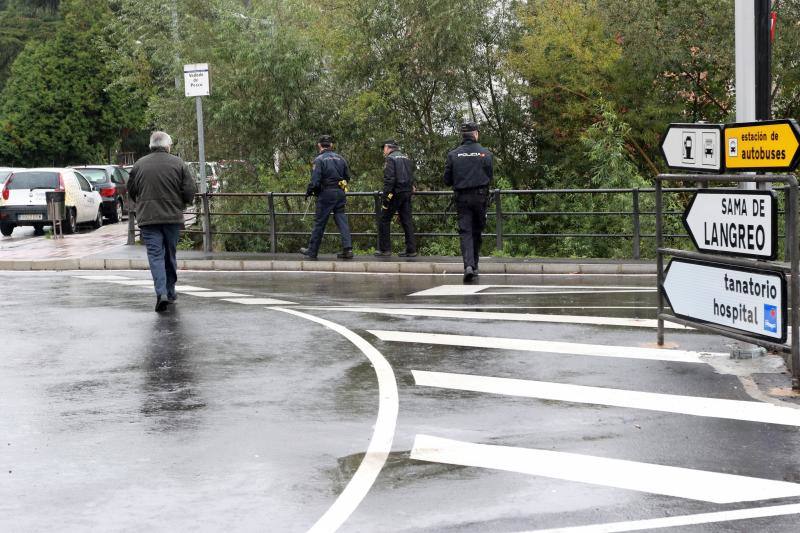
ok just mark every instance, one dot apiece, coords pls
pixel 160 139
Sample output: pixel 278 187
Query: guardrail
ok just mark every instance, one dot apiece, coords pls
pixel 294 219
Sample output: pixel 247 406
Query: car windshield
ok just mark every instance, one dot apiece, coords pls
pixel 34 180
pixel 95 175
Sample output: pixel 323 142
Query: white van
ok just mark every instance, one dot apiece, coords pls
pixel 22 200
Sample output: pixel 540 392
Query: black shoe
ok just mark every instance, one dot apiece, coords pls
pixel 469 274
pixel 383 254
pixel 304 251
pixel 173 299
pixel 347 253
pixel 161 304
pixel 407 254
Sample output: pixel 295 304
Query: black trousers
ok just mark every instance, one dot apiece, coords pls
pixel 400 204
pixel 330 201
pixel 471 207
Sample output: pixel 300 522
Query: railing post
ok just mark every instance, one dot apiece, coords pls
pixel 131 226
pixel 637 228
pixel 273 232
pixel 206 224
pixel 378 197
pixel 498 220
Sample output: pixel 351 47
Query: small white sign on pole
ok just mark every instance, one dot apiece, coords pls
pixel 196 81
pixel 734 222
pixel 750 301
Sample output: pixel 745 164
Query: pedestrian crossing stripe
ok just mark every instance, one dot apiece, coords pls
pixel 749 411
pixel 651 478
pixel 530 345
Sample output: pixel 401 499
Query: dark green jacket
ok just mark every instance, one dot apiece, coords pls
pixel 161 186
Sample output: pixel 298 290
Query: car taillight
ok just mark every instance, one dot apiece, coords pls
pixel 60 183
pixel 109 192
pixel 6 192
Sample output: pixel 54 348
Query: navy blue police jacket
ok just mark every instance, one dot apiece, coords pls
pixel 470 166
pixel 398 173
pixel 329 169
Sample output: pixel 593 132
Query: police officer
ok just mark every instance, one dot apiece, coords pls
pixel 469 170
pixel 398 186
pixel 329 178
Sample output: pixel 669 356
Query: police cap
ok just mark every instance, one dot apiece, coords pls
pixel 325 140
pixel 468 127
pixel 390 143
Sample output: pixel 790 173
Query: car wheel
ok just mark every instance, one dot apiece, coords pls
pixel 70 223
pixel 7 229
pixel 38 229
pixel 98 221
pixel 116 216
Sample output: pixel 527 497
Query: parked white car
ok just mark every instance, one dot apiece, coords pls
pixel 23 203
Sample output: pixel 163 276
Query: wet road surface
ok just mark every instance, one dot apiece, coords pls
pixel 251 406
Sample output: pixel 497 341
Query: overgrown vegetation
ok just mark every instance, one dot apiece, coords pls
pixel 568 93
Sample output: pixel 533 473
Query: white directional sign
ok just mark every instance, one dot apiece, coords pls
pixel 751 301
pixel 196 80
pixel 741 223
pixel 695 147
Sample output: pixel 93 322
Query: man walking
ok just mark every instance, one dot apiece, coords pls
pixel 161 186
pixel 469 171
pixel 398 186
pixel 329 178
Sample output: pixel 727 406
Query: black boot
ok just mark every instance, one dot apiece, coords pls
pixel 347 253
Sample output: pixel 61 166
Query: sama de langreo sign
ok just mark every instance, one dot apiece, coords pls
pixel 747 300
pixel 734 222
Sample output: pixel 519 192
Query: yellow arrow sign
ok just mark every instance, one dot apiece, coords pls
pixel 772 145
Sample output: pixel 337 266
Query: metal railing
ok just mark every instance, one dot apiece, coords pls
pixel 544 219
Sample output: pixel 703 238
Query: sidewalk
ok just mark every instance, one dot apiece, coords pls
pixel 52 255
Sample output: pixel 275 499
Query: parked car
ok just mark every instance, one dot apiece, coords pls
pixel 212 175
pixel 5 172
pixel 22 201
pixel 110 181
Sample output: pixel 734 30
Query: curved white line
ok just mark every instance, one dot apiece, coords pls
pixel 381 443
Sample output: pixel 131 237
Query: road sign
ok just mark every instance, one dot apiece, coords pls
pixel 734 222
pixel 770 145
pixel 695 147
pixel 747 300
pixel 196 81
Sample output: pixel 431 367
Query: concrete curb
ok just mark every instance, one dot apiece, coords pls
pixel 355 266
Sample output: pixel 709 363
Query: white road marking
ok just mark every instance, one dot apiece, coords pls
pixel 465 290
pixel 257 301
pixel 550 293
pixel 380 445
pixel 530 345
pixel 512 317
pixel 630 475
pixel 668 403
pixel 677 521
pixel 189 288
pixel 102 278
pixel 134 282
pixel 215 294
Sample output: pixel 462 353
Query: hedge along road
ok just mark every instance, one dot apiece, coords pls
pixel 225 413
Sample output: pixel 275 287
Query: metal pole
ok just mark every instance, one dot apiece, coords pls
pixel 745 65
pixel 201 147
pixel 273 234
pixel 659 261
pixel 378 214
pixel 131 226
pixel 763 60
pixel 637 228
pixel 498 220
pixel 207 247
pixel 794 258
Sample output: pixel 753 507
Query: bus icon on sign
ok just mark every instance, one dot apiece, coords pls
pixel 733 147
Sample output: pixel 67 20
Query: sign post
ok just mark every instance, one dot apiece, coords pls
pixel 196 83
